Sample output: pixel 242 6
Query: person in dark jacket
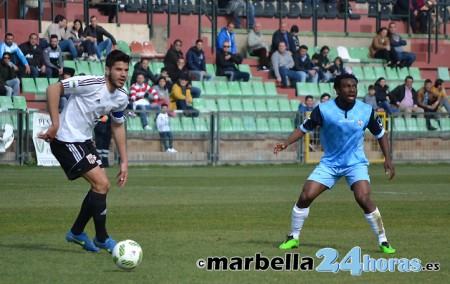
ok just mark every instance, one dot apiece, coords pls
pixel 405 98
pixel 34 55
pixel 95 33
pixel 282 35
pixel 196 62
pixel 9 83
pixel 143 68
pixel 226 64
pixel 382 95
pixel 172 55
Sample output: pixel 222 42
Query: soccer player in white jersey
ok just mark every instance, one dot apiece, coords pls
pixel 70 137
pixel 343 122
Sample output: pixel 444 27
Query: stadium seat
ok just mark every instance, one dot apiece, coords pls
pixel 28 86
pixel 445 124
pixel 249 124
pixel 301 89
pixel 199 104
pixel 156 67
pixel 159 6
pixel 222 88
pixel 399 124
pixel 284 105
pixel 332 11
pixel 307 11
pixel 187 124
pixel 260 105
pixel 187 7
pixel 283 8
pixel 362 90
pixel 294 105
pixel 6 103
pixel 269 9
pixel 223 105
pixel 344 54
pixel 83 67
pixel 261 124
pixel 134 124
pixel 421 124
pixel 258 89
pixel 199 84
pixel 172 6
pixel 210 68
pixel 248 105
pixel 175 124
pixel 52 81
pixel 385 12
pixel 211 105
pixel 272 105
pixel 236 105
pixel 411 124
pixel 41 85
pixel 271 89
pixel 415 73
pixel 237 124
pixel 96 68
pixel 246 88
pixel 149 50
pixel 258 5
pixel 369 73
pixel 201 124
pixel 287 125
pixel 325 88
pixel 71 64
pixel 234 89
pixel 274 124
pixel 245 68
pixel 137 50
pixel 358 72
pixel 123 46
pixel 443 73
pixel 379 72
pixel 294 10
pixel 225 124
pixel 20 102
pixel 210 88
pixel 144 6
pixel 133 6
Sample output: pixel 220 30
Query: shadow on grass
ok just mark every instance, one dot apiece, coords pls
pixel 271 244
pixel 44 247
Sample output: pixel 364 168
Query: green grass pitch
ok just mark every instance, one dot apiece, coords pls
pixel 181 214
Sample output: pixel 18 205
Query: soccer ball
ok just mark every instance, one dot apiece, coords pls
pixel 127 254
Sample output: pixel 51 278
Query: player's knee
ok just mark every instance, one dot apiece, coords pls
pixel 102 187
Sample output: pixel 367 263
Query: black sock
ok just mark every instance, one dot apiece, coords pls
pixel 97 207
pixel 83 217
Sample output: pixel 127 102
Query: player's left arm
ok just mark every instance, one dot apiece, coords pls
pixel 119 135
pixel 375 126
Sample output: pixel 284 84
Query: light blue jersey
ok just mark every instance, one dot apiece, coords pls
pixel 342 132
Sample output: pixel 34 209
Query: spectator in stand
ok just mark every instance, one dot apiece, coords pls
pixel 381 48
pixel 281 35
pixel 142 68
pixel 182 70
pixel 172 56
pixel 163 93
pixel 283 64
pixel 165 74
pixel 424 9
pixel 405 98
pixel 8 45
pixel 324 74
pixel 257 46
pixel 95 34
pixel 406 58
pixel 295 48
pixel 370 99
pixel 305 67
pixel 143 99
pixel 9 83
pixel 34 55
pixel 196 62
pixel 407 9
pixel 226 64
pixel 26 5
pixel 429 101
pixel 163 126
pixel 239 9
pixel 85 47
pixel 304 108
pixel 181 98
pixel 443 100
pixel 338 68
pixel 53 57
pixel 226 34
pixel 383 96
pixel 65 42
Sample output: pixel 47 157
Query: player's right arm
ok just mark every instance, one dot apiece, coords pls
pixel 295 136
pixel 54 93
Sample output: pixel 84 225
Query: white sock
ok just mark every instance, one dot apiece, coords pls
pixel 374 220
pixel 299 216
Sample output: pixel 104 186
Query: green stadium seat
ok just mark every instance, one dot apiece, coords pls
pixel 287 124
pixel 83 67
pixel 362 90
pixel 325 88
pixel 156 67
pixel 362 54
pixel 284 105
pixel 210 68
pixel 96 68
pixel 443 73
pixel 380 72
pixel 392 74
pixel 201 124
pixel 71 64
pixel 417 85
pixel 271 89
pixel 402 73
pixel 399 125
pixel 260 105
pixel 274 124
pixel 199 84
pixel 20 102
pixel 28 86
pixel 225 124
pixel 175 124
pixel 249 124
pixel 411 124
pixel 421 124
pixel 246 88
pixel 199 104
pixel 248 105
pixel 301 89
pixel 52 81
pixel 123 46
pixel 369 73
pixel 222 88
pixel 332 54
pixel 41 85
pixel 272 105
pixel 130 69
pixel 211 105
pixel 314 89
pixel 187 124
pixel 223 105
pixel 245 68
pixel 415 73
pixel 210 88
pixel 258 89
pixel 234 89
pixel 6 103
pixel 6 118
pixel 236 105
pixel 358 72
pixel 261 124
pixel 237 125
pixel 445 124
pixel 134 124
pixel 294 105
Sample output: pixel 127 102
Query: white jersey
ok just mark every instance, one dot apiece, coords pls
pixel 89 100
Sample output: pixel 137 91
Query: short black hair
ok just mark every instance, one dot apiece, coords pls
pixel 6 53
pixel 163 105
pixel 115 56
pixel 427 81
pixel 8 34
pixel 164 69
pixel 53 36
pixel 371 87
pixel 315 56
pixel 303 47
pixel 343 76
pixel 33 34
pixel 59 18
pixel 294 29
pixel 309 97
pixel 438 82
pixel 325 95
pixel 198 40
pixel 409 77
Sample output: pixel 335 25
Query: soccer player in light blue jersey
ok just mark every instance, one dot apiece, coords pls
pixel 343 122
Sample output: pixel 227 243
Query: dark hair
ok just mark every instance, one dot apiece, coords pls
pixel 116 56
pixel 8 34
pixel 32 34
pixel 371 87
pixel 339 78
pixel 198 40
pixel 59 18
pixel 438 82
pixel 164 105
pixel 315 56
pixel 294 29
pixel 176 41
pixel 381 29
pixel 80 32
pixel 6 53
pixel 94 16
pixel 325 95
pixel 144 58
pixel 309 97
pixel 303 47
pixel 379 80
pixel 409 77
pixel 340 59
pixel 325 47
pixel 164 69
pixel 427 81
pixel 53 36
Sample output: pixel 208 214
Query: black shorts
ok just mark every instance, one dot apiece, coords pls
pixel 76 158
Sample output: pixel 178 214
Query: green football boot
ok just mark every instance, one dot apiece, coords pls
pixel 290 243
pixel 386 248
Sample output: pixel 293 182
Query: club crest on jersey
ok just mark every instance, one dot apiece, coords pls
pixel 91 159
pixel 360 123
